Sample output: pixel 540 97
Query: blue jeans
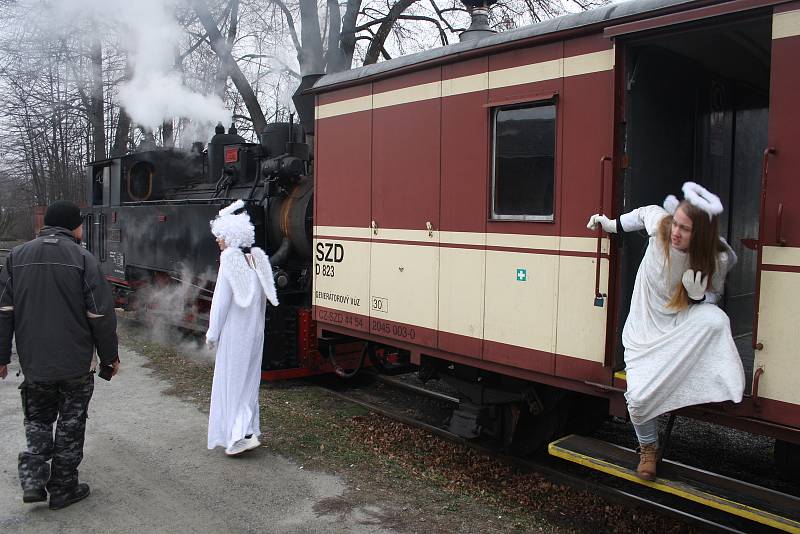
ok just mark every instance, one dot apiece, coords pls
pixel 647 432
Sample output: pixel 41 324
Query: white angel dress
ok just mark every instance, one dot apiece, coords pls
pixel 676 358
pixel 236 326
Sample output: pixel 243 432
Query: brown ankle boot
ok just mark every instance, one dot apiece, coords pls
pixel 648 458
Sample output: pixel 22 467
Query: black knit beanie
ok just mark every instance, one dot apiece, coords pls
pixel 63 213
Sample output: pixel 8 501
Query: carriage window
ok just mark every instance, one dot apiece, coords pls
pixel 523 168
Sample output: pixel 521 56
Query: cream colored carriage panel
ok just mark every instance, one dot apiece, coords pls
pixel 581 326
pixel 540 242
pixel 583 244
pixel 521 292
pixel 341 274
pixel 789 256
pixel 461 284
pixel 779 307
pixel 404 283
pixel 786 24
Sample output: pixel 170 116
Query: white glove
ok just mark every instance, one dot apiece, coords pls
pixel 609 225
pixel 695 284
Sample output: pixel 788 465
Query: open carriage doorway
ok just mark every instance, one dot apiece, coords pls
pixel 696 108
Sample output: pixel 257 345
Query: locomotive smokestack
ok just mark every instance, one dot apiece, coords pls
pixel 479 11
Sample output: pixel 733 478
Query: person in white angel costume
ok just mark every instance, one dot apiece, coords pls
pixel 679 350
pixel 236 329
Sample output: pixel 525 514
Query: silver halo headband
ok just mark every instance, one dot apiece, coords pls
pixel 699 197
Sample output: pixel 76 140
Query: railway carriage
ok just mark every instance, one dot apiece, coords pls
pixel 455 185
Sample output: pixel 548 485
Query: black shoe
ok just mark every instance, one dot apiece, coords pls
pixel 62 500
pixel 34 495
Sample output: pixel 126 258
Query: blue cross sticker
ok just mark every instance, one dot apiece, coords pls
pixel 522 275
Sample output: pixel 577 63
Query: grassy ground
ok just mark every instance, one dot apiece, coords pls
pixel 419 481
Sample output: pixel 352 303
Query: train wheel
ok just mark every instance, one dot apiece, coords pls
pixel 787 459
pixel 532 433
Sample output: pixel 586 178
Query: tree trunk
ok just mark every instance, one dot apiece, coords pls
pixel 123 129
pixel 347 42
pixel 310 55
pixel 96 111
pixel 220 47
pixel 334 57
pixel 121 134
pixel 222 73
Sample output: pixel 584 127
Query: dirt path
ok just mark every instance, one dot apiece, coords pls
pixel 149 470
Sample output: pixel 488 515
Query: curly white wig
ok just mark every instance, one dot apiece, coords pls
pixel 699 197
pixel 234 228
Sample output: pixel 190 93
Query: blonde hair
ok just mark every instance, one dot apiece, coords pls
pixel 704 246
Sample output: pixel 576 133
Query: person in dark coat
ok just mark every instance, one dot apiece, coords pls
pixel 56 304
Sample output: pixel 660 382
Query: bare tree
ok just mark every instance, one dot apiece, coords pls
pixel 223 51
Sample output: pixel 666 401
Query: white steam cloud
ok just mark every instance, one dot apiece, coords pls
pixel 163 307
pixel 150 33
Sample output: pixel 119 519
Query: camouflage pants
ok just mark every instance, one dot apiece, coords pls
pixel 64 403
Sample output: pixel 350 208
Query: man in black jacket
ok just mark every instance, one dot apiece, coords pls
pixel 57 305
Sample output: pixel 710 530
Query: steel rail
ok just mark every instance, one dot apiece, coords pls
pixel 616 495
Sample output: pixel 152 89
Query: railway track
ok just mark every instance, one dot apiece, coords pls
pixel 557 471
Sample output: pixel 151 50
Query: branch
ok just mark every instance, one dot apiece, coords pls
pixel 442 33
pixel 286 67
pixel 440 13
pixel 202 38
pixel 377 45
pixel 289 22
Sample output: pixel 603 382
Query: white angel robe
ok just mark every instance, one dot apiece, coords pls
pixel 236 326
pixel 676 358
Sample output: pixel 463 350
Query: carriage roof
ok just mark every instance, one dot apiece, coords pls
pixel 585 19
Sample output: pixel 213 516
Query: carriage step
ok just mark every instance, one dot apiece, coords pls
pixel 754 503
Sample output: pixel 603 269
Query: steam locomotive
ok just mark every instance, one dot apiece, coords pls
pixel 147 221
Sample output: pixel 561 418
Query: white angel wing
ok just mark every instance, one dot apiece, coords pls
pixel 233 266
pixel 263 269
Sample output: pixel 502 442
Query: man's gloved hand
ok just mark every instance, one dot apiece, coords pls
pixel 609 225
pixel 695 284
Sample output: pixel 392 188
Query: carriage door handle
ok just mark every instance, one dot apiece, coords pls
pixel 429 226
pixel 779 227
pixel 599 298
pixel 374 227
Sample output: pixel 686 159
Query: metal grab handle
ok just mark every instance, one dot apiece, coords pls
pixel 429 227
pixel 761 238
pixel 779 226
pixel 756 381
pixel 374 227
pixel 599 297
